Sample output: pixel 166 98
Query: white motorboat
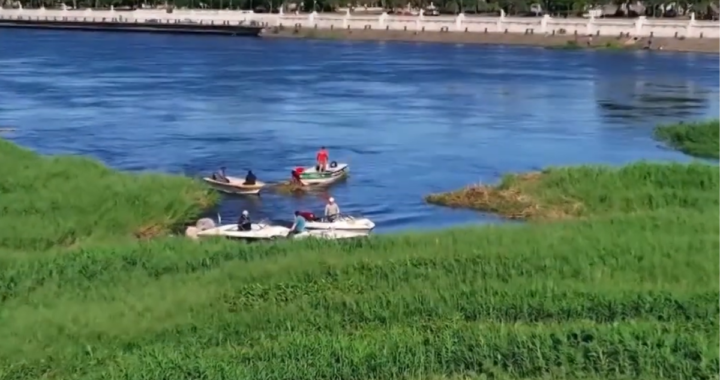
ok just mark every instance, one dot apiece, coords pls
pixel 343 223
pixel 331 234
pixel 235 185
pixel 258 231
pixel 266 231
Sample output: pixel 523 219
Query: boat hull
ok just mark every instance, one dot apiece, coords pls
pixel 331 235
pixel 343 224
pixel 266 232
pixel 258 232
pixel 311 177
pixel 235 186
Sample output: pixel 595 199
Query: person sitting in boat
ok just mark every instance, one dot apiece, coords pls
pixel 244 223
pixel 220 176
pixel 250 178
pixel 298 225
pixel 332 210
pixel 322 159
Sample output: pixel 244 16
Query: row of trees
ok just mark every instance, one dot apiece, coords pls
pixel 658 8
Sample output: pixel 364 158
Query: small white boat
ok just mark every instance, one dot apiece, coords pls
pixel 333 173
pixel 235 185
pixel 343 223
pixel 331 234
pixel 258 231
pixel 266 231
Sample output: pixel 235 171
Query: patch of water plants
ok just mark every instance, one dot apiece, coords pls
pixel 700 139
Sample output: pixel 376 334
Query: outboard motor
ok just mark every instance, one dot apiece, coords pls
pixel 308 215
pixel 205 224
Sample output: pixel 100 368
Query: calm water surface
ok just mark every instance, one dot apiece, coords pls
pixel 409 118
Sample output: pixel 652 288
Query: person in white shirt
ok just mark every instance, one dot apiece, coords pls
pixel 332 211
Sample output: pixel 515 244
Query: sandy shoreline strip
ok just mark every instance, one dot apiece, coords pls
pixel 697 45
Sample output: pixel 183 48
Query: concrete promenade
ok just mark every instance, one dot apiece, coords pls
pixel 641 27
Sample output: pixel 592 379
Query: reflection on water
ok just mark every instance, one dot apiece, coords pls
pixel 409 118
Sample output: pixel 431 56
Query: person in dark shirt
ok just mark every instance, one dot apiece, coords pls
pixel 244 223
pixel 250 178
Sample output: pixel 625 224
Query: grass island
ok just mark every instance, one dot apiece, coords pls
pixel 700 139
pixel 616 279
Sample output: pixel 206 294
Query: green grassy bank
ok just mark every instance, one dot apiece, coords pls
pixel 623 286
pixel 65 201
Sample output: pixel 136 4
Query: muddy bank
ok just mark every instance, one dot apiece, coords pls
pixel 564 41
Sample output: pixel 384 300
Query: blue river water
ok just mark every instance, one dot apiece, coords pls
pixel 410 118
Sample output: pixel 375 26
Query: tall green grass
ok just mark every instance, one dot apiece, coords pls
pixel 700 139
pixel 620 296
pixel 625 289
pixel 47 202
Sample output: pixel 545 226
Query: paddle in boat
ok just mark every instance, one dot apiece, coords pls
pixel 313 176
pixel 341 223
pixel 234 185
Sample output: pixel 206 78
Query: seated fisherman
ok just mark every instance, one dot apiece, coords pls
pixel 244 223
pixel 298 225
pixel 250 178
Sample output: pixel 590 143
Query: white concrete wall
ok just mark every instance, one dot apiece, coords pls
pixel 640 27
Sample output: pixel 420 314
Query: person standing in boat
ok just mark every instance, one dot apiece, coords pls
pixel 322 159
pixel 332 210
pixel 244 223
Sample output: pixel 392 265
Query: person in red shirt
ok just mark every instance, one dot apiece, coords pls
pixel 322 159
